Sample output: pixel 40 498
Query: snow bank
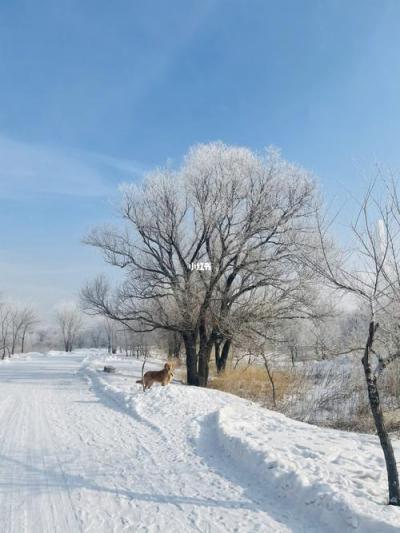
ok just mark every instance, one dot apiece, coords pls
pixel 337 479
pixel 328 479
pixel 119 389
pixel 20 356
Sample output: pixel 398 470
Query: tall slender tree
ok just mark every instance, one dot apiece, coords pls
pixel 369 271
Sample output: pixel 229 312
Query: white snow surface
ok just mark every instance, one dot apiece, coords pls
pixel 81 450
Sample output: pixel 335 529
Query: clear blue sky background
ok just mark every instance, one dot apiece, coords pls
pixel 93 93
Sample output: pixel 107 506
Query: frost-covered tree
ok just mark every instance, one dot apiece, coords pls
pixel 204 246
pixel 29 320
pixel 5 329
pixel 70 322
pixel 16 322
pixel 369 271
pixel 22 320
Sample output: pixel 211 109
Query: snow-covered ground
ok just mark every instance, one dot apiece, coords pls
pixel 81 450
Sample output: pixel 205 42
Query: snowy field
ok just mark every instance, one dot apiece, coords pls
pixel 82 450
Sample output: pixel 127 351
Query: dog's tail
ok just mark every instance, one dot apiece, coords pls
pixel 139 381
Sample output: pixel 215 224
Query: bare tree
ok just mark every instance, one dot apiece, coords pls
pixel 96 334
pixel 69 319
pixel 110 329
pixel 174 344
pixel 126 340
pixel 22 321
pixel 370 273
pixel 15 324
pixel 203 243
pixel 29 320
pixel 5 329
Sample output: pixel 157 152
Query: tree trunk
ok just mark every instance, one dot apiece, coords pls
pixel 204 360
pixel 177 345
pixel 206 344
pixel 203 367
pixel 191 359
pixel 271 379
pixel 293 354
pixel 221 363
pixel 217 346
pixel 174 344
pixel 23 342
pixel 14 340
pixel 376 408
pixel 144 386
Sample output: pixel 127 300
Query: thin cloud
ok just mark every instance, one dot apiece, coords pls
pixel 31 169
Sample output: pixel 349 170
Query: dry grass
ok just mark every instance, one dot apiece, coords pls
pixel 178 368
pixel 341 404
pixel 253 384
pixel 175 362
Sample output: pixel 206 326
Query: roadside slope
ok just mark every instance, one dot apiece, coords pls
pixel 305 477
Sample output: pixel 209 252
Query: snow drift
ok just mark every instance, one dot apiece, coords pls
pixel 317 479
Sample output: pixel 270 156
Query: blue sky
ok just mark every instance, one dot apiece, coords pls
pixel 94 93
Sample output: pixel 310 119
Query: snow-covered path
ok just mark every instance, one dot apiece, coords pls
pixel 81 450
pixel 72 460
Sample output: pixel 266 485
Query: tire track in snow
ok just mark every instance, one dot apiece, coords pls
pixel 8 423
pixel 91 464
pixel 60 498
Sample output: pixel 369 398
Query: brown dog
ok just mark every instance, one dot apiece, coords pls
pixel 163 376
